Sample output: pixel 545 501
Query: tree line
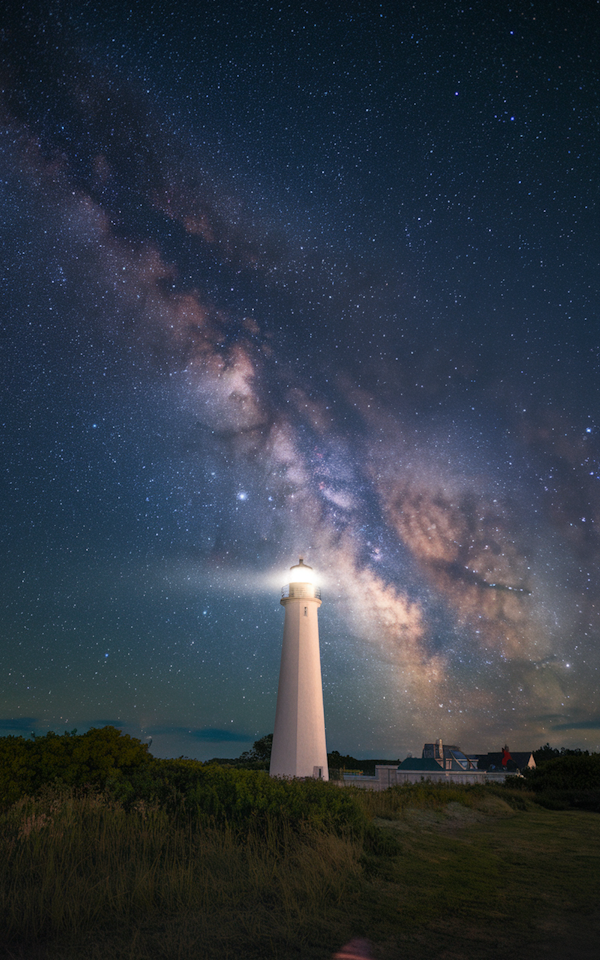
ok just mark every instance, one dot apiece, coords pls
pixel 106 757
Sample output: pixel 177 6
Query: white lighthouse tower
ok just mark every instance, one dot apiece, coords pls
pixel 299 748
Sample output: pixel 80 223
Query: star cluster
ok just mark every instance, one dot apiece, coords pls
pixel 317 280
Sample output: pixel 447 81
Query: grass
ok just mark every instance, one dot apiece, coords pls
pixel 491 888
pixel 427 795
pixel 84 875
pixel 441 872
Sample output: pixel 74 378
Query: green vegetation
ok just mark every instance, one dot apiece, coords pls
pixel 393 803
pixel 82 874
pixel 542 754
pixel 435 870
pixel 122 856
pixel 568 780
pixel 215 795
pixel 259 758
pixel 349 764
pixel 89 759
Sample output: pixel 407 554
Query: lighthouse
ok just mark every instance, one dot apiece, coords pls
pixel 299 748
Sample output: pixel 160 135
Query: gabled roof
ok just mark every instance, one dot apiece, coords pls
pixel 520 760
pixel 417 763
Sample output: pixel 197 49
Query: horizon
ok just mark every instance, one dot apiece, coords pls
pixel 4 731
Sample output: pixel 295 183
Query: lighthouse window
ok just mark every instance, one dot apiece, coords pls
pixel 306 611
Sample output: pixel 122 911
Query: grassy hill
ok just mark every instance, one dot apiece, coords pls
pixel 421 871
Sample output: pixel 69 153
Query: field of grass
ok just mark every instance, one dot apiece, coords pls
pixel 444 872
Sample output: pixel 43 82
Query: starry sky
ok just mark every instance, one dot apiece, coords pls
pixel 309 278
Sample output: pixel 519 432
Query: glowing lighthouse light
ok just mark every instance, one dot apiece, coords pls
pixel 299 748
pixel 301 573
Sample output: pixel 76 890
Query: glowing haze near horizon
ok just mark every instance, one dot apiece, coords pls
pixel 307 279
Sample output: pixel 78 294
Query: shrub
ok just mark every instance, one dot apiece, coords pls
pixel 570 772
pixel 569 780
pixel 224 795
pixel 91 759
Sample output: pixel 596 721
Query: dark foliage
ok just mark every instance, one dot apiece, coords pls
pixel 567 780
pixel 337 761
pixel 240 798
pixel 77 760
pixel 259 758
pixel 109 760
pixel 545 753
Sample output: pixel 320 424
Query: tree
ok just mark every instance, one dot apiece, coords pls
pixel 262 748
pixel 260 753
pixel 545 753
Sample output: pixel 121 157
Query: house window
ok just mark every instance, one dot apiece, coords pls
pixel 306 611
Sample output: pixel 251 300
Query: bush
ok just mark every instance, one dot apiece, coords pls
pixel 566 773
pixel 106 759
pixel 224 795
pixel 570 780
pixel 89 759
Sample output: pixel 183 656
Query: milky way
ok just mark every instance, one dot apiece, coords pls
pixel 319 282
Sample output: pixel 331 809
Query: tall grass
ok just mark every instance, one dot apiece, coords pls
pixel 71 865
pixel 96 877
pixel 393 803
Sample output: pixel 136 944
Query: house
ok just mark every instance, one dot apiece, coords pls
pixel 448 757
pixel 513 761
pixel 442 763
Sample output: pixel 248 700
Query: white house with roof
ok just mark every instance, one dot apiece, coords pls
pixel 440 763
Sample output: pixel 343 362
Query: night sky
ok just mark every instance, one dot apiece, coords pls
pixel 309 278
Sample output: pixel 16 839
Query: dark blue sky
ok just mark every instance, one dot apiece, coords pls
pixel 317 279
